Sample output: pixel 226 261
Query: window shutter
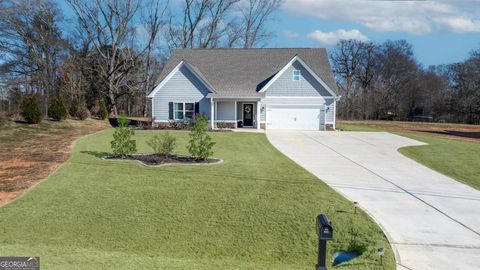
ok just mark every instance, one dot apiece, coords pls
pixel 197 107
pixel 170 110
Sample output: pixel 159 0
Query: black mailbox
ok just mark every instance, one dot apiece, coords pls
pixel 324 228
pixel 325 233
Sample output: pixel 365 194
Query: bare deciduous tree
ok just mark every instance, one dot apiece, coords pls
pixel 31 43
pixel 182 35
pixel 255 17
pixel 346 60
pixel 152 23
pixel 215 23
pixel 109 23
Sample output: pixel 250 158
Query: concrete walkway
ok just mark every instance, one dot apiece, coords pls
pixel 431 220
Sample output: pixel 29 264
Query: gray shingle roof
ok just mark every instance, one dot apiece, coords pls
pixel 242 72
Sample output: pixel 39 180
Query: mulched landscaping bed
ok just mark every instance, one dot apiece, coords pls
pixel 159 159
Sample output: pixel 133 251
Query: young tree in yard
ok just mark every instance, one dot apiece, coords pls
pixel 162 144
pixel 200 144
pixel 73 107
pixel 102 110
pixel 122 143
pixel 30 109
pixel 57 109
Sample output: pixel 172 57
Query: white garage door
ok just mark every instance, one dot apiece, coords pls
pixel 296 117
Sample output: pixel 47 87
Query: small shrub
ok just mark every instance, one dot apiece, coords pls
pixel 83 112
pixel 200 144
pixel 173 124
pixel 122 143
pixel 162 144
pixel 187 124
pixel 74 106
pixel 222 125
pixel 102 110
pixel 57 109
pixel 30 109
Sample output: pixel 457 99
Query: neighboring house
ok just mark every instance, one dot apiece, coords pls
pixel 249 88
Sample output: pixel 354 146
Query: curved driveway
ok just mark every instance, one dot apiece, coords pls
pixel 431 220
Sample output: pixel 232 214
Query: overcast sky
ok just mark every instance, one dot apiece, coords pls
pixel 441 31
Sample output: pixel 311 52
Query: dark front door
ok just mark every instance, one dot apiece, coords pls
pixel 247 115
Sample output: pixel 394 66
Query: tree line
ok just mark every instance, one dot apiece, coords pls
pixel 111 51
pixel 385 81
pixel 107 54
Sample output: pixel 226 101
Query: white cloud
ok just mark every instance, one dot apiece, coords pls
pixel 290 34
pixel 414 17
pixel 460 25
pixel 332 38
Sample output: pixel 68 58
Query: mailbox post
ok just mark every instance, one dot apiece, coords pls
pixel 325 233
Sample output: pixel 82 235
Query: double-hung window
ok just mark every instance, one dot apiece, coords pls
pixel 189 110
pixel 183 110
pixel 296 75
pixel 178 111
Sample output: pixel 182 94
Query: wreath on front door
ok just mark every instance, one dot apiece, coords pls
pixel 247 109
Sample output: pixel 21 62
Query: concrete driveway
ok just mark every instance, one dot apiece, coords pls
pixel 431 220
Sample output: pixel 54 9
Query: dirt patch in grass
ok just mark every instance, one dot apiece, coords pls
pixel 164 159
pixel 32 152
pixel 462 132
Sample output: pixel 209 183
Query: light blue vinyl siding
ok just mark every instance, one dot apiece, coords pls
pixel 263 111
pixel 183 86
pixel 225 111
pixel 306 86
pixel 330 110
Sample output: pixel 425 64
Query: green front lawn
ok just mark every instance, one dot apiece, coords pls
pixel 254 211
pixel 457 159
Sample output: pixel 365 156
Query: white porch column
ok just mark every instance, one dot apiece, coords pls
pixel 258 114
pixel 334 114
pixel 236 121
pixel 212 113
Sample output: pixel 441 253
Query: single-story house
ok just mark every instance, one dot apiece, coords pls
pixel 248 88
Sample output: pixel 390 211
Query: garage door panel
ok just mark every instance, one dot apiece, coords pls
pixel 295 117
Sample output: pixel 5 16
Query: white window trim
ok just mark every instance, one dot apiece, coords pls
pixel 299 75
pixel 184 110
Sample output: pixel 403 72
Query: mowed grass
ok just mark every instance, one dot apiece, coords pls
pixel 256 210
pixel 455 158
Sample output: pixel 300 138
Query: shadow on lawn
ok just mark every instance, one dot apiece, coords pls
pixel 97 154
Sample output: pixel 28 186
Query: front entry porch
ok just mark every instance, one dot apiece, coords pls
pixel 236 113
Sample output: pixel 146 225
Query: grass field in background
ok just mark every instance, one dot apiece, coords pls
pixel 455 158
